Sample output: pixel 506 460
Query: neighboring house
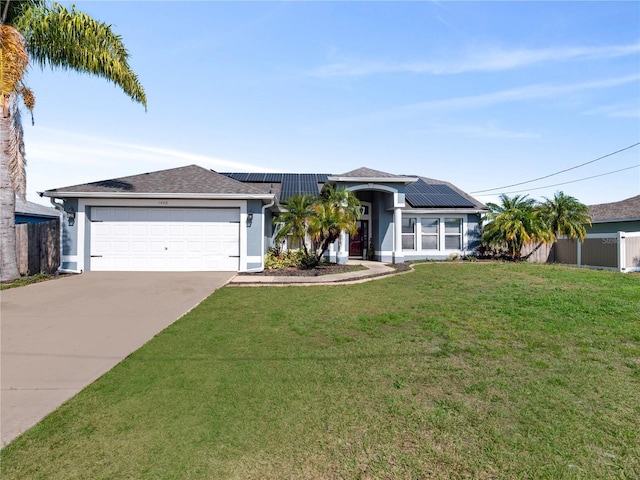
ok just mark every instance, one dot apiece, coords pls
pixel 612 242
pixel 29 212
pixel 191 218
pixel 622 216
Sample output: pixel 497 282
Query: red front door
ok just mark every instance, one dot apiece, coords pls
pixel 358 241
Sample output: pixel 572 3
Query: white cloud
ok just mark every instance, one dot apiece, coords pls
pixel 529 92
pixel 472 102
pixel 480 131
pixel 488 59
pixel 616 111
pixel 59 158
pixel 75 149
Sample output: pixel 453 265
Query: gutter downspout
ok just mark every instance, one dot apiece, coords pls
pixel 264 208
pixel 60 208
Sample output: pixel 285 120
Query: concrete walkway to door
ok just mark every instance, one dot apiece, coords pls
pixel 59 336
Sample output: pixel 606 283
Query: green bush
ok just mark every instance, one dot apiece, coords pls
pixel 277 258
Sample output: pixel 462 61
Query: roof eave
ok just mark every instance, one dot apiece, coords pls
pixel 611 220
pixel 405 180
pixel 443 210
pixel 200 196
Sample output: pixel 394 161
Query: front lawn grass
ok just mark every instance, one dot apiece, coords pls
pixel 26 280
pixel 456 370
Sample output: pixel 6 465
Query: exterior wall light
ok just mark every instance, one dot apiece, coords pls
pixel 71 216
pixel 249 218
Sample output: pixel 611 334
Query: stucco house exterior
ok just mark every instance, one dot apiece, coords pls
pixel 191 218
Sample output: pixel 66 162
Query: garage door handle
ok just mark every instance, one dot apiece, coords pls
pixel 96 256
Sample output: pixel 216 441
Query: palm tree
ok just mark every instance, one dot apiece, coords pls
pixel 565 215
pixel 513 223
pixel 336 211
pixel 47 34
pixel 320 219
pixel 295 220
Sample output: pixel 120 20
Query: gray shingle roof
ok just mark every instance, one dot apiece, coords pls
pixel 364 172
pixel 31 208
pixel 189 179
pixel 418 194
pixel 628 209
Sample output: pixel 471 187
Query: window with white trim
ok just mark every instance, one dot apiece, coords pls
pixel 408 233
pixel 430 233
pixel 453 233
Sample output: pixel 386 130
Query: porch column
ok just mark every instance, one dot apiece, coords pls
pixel 398 255
pixel 343 253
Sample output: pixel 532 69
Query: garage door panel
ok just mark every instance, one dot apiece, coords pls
pixel 175 246
pixel 139 230
pixel 194 230
pixel 212 231
pixel 121 247
pixel 229 247
pixel 228 231
pixel 156 230
pixel 194 247
pixel 139 247
pixel 164 239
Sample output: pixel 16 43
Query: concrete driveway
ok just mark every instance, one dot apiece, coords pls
pixel 61 335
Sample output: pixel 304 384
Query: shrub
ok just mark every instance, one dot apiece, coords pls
pixel 277 258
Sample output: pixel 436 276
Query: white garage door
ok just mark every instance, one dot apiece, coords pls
pixel 165 239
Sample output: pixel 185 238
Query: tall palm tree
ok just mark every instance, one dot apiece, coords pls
pixel 320 219
pixel 47 34
pixel 336 211
pixel 514 223
pixel 295 220
pixel 565 215
pixel 344 200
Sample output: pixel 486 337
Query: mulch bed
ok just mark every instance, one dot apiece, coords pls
pixel 326 269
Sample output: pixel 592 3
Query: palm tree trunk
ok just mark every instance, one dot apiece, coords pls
pixel 8 255
pixel 537 247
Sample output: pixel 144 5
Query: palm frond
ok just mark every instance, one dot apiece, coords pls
pixel 28 97
pixel 72 40
pixel 12 9
pixel 15 151
pixel 13 60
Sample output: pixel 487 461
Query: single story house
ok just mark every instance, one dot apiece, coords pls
pixel 191 218
pixel 30 212
pixel 622 216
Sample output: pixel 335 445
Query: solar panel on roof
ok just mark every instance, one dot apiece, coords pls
pixel 289 185
pixel 273 177
pixel 422 194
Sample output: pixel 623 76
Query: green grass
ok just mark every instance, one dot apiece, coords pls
pixel 26 280
pixel 456 370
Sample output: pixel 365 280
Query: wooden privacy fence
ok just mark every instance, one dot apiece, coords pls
pixel 610 251
pixel 38 247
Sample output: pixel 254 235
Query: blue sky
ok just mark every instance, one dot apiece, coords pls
pixel 481 94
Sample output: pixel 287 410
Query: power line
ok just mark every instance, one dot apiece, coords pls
pixel 563 183
pixel 557 173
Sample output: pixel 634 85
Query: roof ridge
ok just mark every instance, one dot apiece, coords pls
pixel 186 179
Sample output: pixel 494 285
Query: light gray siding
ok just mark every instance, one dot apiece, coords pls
pixel 614 227
pixel 254 228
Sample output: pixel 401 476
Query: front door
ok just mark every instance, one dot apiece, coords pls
pixel 358 241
